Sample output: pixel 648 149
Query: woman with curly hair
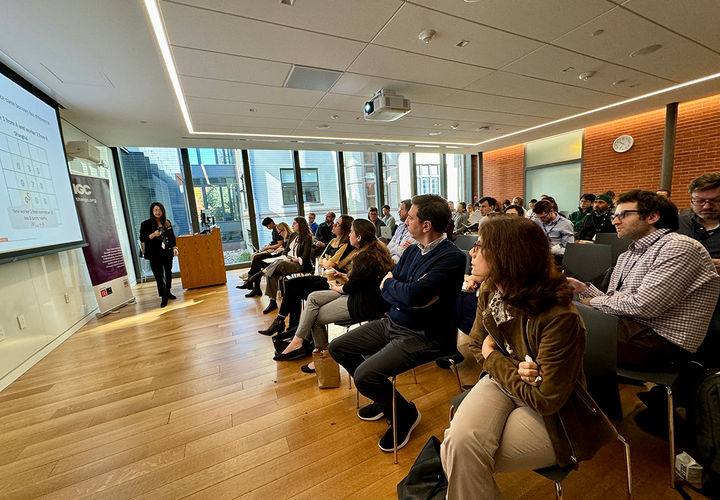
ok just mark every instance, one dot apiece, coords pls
pixel 358 299
pixel 531 409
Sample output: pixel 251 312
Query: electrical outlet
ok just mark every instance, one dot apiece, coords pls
pixel 21 321
pixel 2 334
pixel 67 298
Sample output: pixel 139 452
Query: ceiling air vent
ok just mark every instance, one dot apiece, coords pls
pixel 307 78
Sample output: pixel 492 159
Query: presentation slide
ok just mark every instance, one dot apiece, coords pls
pixel 37 206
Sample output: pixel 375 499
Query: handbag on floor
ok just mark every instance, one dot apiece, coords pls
pixel 327 370
pixel 426 479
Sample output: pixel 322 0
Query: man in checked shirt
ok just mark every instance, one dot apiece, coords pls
pixel 664 288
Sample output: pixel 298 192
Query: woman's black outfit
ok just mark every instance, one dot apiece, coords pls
pixel 159 251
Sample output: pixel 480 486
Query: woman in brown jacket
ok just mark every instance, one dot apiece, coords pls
pixel 530 408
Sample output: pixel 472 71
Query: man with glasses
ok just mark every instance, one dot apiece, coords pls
pixel 598 221
pixel 664 288
pixel 324 233
pixel 558 229
pixel 401 239
pixel 702 224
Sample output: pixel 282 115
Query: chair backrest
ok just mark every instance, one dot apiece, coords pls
pixel 600 361
pixel 619 245
pixel 465 241
pixel 587 262
pixel 468 261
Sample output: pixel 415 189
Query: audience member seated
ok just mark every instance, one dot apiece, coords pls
pixel 518 201
pixel 663 192
pixel 373 216
pixel 506 203
pixel 421 290
pixel 522 415
pixel 295 259
pixel 461 219
pixel 664 288
pixel 599 221
pixel 530 214
pixel 515 210
pixel 558 229
pixel 388 219
pixel 257 261
pixel 486 205
pixel 337 256
pixel 359 299
pixel 551 200
pixel 324 233
pixel 311 222
pixel 585 209
pixel 401 239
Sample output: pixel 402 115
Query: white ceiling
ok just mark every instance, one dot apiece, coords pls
pixel 100 60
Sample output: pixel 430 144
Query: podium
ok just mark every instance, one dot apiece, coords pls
pixel 201 259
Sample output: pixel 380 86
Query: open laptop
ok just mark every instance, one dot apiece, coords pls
pixel 386 232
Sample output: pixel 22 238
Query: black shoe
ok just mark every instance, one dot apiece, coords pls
pixel 445 362
pixel 277 326
pixel 171 296
pixel 271 307
pixel 248 285
pixel 164 302
pixel 280 345
pixel 306 369
pixel 296 354
pixel 370 412
pixel 254 293
pixel 404 430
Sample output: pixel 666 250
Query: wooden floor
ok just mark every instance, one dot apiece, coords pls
pixel 186 402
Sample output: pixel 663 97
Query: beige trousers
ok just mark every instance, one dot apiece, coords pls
pixel 491 432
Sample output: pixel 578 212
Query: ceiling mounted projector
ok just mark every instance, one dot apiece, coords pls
pixel 385 106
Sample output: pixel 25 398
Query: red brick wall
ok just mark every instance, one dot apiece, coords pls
pixel 503 172
pixel 697 145
pixel 637 168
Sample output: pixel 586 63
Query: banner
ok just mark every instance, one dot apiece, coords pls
pixel 103 255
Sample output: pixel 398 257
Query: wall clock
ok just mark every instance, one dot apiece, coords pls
pixel 623 143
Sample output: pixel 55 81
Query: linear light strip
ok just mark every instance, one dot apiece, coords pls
pixel 157 24
pixel 609 106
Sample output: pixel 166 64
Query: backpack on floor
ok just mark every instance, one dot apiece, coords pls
pixel 426 479
pixel 705 419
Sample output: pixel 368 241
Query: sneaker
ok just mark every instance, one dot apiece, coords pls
pixel 404 430
pixel 370 412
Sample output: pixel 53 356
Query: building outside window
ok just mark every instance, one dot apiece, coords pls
pixel 456 179
pixel 396 178
pixel 427 167
pixel 361 182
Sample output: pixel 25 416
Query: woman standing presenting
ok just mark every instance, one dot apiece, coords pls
pixel 158 238
pixel 532 408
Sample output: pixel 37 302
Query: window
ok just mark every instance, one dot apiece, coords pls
pixel 360 182
pixel 396 178
pixel 553 166
pixel 287 178
pixel 310 184
pixel 428 173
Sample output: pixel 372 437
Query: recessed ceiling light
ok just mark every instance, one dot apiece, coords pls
pixel 253 110
pixel 471 1
pixel 586 76
pixel 143 121
pixel 438 124
pixel 481 129
pixel 462 43
pixel 427 35
pixel 646 50
pixel 619 82
pixel 435 133
pixel 323 126
pixel 454 126
pixel 569 68
pixel 598 33
pixel 334 117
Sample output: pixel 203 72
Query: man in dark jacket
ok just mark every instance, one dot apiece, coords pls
pixel 600 220
pixel 421 291
pixel 585 209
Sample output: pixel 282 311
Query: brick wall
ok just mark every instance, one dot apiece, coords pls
pixel 503 172
pixel 697 151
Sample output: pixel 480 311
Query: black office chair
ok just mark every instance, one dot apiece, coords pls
pixel 619 245
pixel 587 263
pixel 465 241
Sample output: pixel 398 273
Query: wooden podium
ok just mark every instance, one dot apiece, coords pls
pixel 201 259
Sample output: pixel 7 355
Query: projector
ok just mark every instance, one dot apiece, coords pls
pixel 81 149
pixel 385 106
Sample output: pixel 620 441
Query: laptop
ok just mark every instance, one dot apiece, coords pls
pixel 386 232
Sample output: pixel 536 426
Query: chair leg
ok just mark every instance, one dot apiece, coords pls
pixel 627 465
pixel 394 420
pixel 558 491
pixel 671 435
pixel 414 376
pixel 454 369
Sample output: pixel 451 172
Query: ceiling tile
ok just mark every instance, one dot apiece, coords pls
pixel 563 66
pixel 226 107
pixel 246 92
pixel 403 29
pixel 525 87
pixel 212 31
pixel 699 23
pixel 356 20
pixel 193 62
pixel 471 115
pixel 398 65
pixel 544 20
pixel 366 86
pixel 201 119
pixel 487 102
pixel 363 126
pixel 625 32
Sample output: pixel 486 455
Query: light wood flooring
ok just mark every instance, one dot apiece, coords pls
pixel 186 402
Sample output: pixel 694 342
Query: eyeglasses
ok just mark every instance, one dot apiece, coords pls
pixel 478 245
pixel 621 214
pixel 543 217
pixel 701 203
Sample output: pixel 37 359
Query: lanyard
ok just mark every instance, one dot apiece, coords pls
pixel 623 278
pixel 551 226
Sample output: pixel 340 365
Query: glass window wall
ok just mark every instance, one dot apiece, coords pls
pixel 456 179
pixel 360 183
pixel 427 168
pixel 321 185
pixel 396 178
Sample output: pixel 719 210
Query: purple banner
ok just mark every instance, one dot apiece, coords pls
pixel 103 255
